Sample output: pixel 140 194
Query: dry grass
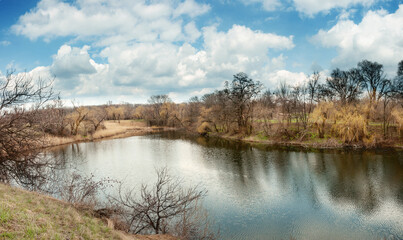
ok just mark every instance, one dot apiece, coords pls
pixel 113 129
pixel 29 215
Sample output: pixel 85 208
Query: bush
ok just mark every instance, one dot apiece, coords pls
pixel 350 125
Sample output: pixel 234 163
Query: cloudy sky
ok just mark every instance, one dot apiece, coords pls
pixel 128 50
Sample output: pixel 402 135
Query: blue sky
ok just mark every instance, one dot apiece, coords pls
pixel 127 50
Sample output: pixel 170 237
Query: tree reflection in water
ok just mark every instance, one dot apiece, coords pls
pixel 255 190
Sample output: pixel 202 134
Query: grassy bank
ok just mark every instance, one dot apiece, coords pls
pixel 30 215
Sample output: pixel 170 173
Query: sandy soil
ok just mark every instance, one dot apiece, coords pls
pixel 112 130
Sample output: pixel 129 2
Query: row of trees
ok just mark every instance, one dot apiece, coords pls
pixel 356 105
pixel 81 120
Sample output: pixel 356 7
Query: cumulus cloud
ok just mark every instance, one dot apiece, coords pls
pixel 114 21
pixel 378 37
pixel 191 8
pixel 70 62
pixel 167 64
pixel 268 5
pixel 192 33
pixel 312 7
pixel 290 78
pixel 146 47
pixel 241 49
pixel 161 67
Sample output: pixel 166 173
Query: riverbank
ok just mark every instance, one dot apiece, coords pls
pixel 112 130
pixel 30 215
pixel 129 128
pixel 315 143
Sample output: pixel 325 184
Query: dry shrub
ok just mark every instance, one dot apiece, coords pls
pixel 204 128
pixel 164 207
pixel 194 223
pixel 397 116
pixel 83 191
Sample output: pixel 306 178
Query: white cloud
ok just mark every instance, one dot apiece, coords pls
pixel 191 8
pixel 192 32
pixel 111 21
pixel 167 65
pixel 241 49
pixel 268 5
pixel 290 78
pixel 378 37
pixel 70 62
pixel 146 47
pixel 161 67
pixel 312 7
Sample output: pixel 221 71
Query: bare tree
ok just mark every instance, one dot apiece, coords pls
pixel 77 117
pixel 81 190
pixel 313 89
pixel 374 79
pixel 21 99
pixel 53 118
pixel 160 112
pixel 242 92
pixel 96 117
pixel 400 68
pixel 299 94
pixel 344 85
pixel 217 111
pixel 283 98
pixel 160 208
pixel 397 83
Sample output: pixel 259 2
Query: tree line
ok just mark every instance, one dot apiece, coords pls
pixel 359 105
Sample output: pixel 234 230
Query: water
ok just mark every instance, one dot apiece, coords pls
pixel 264 192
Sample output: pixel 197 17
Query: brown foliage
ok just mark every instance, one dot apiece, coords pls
pixel 351 125
pixel 320 116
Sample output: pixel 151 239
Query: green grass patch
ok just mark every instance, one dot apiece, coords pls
pixel 28 215
pixel 5 215
pixel 7 235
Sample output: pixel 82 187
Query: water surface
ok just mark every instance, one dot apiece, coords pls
pixel 264 192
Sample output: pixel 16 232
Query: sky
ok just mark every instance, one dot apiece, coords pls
pixel 96 51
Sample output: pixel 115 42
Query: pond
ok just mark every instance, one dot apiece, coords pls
pixel 257 192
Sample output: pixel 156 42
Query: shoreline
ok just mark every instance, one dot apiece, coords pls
pixel 130 128
pixel 113 130
pixel 328 144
